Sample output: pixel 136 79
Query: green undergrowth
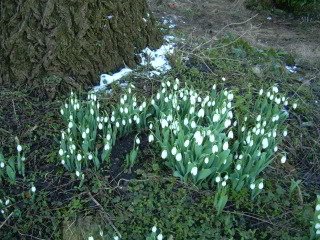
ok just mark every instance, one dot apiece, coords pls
pixel 131 205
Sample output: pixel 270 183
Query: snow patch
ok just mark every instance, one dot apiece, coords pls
pixel 106 79
pixel 292 69
pixel 168 22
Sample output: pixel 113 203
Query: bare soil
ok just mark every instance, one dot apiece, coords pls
pixel 214 18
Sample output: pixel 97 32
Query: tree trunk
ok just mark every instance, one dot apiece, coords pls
pixel 73 40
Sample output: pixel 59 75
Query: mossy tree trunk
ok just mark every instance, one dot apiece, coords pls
pixel 74 40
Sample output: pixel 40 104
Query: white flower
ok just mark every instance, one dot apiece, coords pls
pixel 193 124
pixel 295 105
pixel 215 149
pixel 151 138
pixel 260 186
pixel 225 146
pixel 283 159
pixel 106 147
pixel 212 138
pixel 160 237
pixel 191 111
pixel 265 143
pixel 19 148
pixel 198 137
pixel 186 121
pixel 230 97
pixel 61 152
pixel 33 189
pixel 117 124
pixel 227 123
pixel 174 151
pixel 243 128
pixel 84 135
pixel 63 162
pixel 275 89
pixel 90 238
pixel 223 79
pixel 164 154
pixel 317 226
pixel 108 137
pixel 116 238
pixel 87 131
pixel 164 123
pixel 252 186
pixel 91 111
pixel 285 133
pixel 224 183
pixel 259 118
pixel 77 173
pixel 186 143
pixel 123 122
pixel 79 157
pixel 218 179
pixel 154 229
pixel 318 207
pixel 90 157
pixel 179 157
pixel 238 167
pixel 194 171
pixel 261 92
pixel 201 113
pixel 206 160
pixel 216 117
pixel 7 202
pixel 275 149
pixel 137 141
pixel 230 134
pixel 2 164
pixel 61 111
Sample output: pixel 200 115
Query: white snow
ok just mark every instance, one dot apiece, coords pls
pixel 106 79
pixel 110 17
pixel 292 69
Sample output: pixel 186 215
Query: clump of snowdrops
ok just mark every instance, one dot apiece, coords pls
pixel 12 169
pixel 201 136
pixel 315 229
pixel 91 133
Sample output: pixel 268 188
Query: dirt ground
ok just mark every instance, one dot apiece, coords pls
pixel 213 18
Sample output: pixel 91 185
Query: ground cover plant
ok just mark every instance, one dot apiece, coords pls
pixel 110 162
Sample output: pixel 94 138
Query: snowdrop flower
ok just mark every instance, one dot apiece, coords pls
pixel 7 202
pixel 238 167
pixel 160 237
pixel 212 138
pixel 151 138
pixel 191 111
pixel 108 137
pixel 201 113
pixel 63 162
pixel 260 186
pixel 91 111
pixel 268 94
pixel 225 146
pixel 227 123
pixel 206 160
pixel 218 179
pixel 223 110
pixel 295 105
pixel 61 152
pixel 19 148
pixel 112 118
pixel 179 157
pixel 275 89
pixel 285 133
pixel 277 100
pixel 216 117
pixel 265 143
pixel 154 229
pixel 252 186
pixel 150 126
pixel 90 156
pixel 79 157
pixel 2 164
pixel 137 141
pixel 230 97
pixel 283 159
pixel 90 238
pixel 33 189
pixel 164 123
pixel 215 149
pixel 224 183
pixel 117 124
pixel 77 173
pixel 261 92
pixel 186 143
pixel 193 124
pixel 70 125
pixel 259 118
pixel 123 122
pixel 318 207
pixel 230 134
pixel 164 154
pixel 174 151
pixel 194 171
pixel 186 121
pixel 198 137
pixel 286 103
pixel 243 128
pixel 84 135
pixel 275 149
pixel 107 147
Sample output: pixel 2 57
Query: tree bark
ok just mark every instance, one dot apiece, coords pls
pixel 73 40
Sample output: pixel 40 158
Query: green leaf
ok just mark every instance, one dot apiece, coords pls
pixel 11 173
